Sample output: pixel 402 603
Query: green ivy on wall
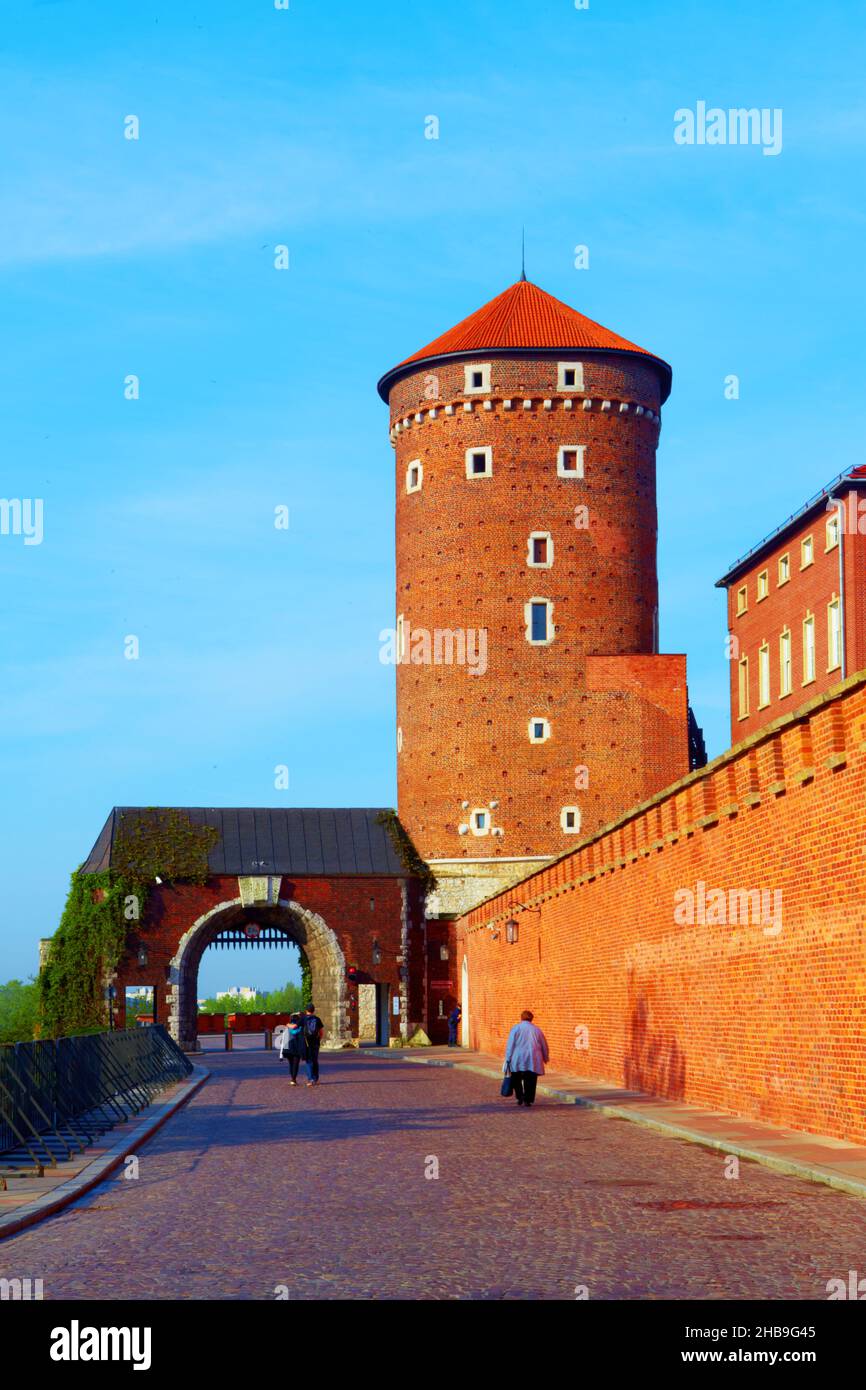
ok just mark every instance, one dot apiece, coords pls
pixel 163 844
pixel 306 979
pixel 402 842
pixel 85 949
pixel 91 939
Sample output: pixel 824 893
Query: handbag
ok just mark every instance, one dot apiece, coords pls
pixel 507 1087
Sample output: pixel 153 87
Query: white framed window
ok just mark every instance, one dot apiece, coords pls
pixel 742 599
pixel 807 552
pixel 399 740
pixel 414 475
pixel 763 675
pixel 743 691
pixel 784 568
pixel 401 638
pixel 834 634
pixel 831 532
pixel 763 584
pixel 539 729
pixel 479 462
pixel 808 648
pixel 569 820
pixel 569 376
pixel 476 378
pixel 569 460
pixel 479 821
pixel 538 613
pixel 539 551
pixel 785 673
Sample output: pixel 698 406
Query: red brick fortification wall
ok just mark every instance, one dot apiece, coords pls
pixel 761 1022
pixel 359 911
pixel 462 548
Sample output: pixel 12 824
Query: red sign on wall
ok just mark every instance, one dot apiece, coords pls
pixel 441 984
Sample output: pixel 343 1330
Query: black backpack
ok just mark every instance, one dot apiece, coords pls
pixel 311 1028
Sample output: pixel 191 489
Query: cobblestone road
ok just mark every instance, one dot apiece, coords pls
pixel 255 1185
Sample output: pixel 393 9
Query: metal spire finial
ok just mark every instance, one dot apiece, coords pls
pixel 523 253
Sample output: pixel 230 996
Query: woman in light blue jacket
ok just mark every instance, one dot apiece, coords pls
pixel 525 1055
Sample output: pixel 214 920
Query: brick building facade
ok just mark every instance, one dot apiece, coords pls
pixel 328 881
pixel 797 607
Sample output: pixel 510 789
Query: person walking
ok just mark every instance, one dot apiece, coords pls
pixel 292 1046
pixel 525 1055
pixel 313 1028
pixel 453 1023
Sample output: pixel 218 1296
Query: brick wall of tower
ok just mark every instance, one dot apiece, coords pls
pixel 462 564
pixel 767 1024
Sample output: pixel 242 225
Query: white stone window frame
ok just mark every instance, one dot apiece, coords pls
pixel 410 486
pixel 468 371
pixel 539 564
pixel 807 552
pixel 401 637
pixel 474 828
pixel 563 819
pixel 832 531
pixel 527 615
pixel 834 634
pixel 533 736
pixel 561 470
pixel 487 451
pixel 562 384
pixel 399 739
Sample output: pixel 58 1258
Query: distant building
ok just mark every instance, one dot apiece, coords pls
pixel 797 607
pixel 237 992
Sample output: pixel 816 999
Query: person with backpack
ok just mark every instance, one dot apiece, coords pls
pixel 292 1046
pixel 313 1028
pixel 525 1055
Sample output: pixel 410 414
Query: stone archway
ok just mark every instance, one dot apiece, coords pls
pixel 299 925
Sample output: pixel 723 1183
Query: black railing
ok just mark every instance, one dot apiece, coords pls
pixel 58 1095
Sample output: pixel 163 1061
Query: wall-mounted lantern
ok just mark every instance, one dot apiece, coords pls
pixel 377 953
pixel 444 953
pixel 511 931
pixel 142 955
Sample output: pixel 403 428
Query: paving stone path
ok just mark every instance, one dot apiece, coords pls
pixel 255 1185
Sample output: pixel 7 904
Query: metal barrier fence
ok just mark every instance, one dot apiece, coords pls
pixel 58 1095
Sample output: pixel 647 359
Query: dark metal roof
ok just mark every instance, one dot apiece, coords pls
pixel 855 476
pixel 288 840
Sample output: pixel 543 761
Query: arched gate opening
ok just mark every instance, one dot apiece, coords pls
pixel 297 924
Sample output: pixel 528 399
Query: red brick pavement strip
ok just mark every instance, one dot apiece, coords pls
pixel 256 1190
pixel 28 1200
pixel 813 1157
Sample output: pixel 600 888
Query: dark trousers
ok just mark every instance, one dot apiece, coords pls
pixel 313 1061
pixel 525 1083
pixel 294 1064
pixel 452 1034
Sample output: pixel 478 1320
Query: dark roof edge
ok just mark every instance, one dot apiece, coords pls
pixel 745 561
pixel 385 383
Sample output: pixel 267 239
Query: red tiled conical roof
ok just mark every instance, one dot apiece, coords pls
pixel 523 317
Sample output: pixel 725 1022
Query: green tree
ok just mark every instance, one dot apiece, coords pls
pixel 19 1004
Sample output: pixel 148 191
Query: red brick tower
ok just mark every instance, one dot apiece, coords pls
pixel 532 706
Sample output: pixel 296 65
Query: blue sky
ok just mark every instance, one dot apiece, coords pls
pixel 305 127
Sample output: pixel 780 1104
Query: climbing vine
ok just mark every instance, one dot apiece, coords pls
pixel 90 941
pixel 402 842
pixel 85 950
pixel 162 844
pixel 306 979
